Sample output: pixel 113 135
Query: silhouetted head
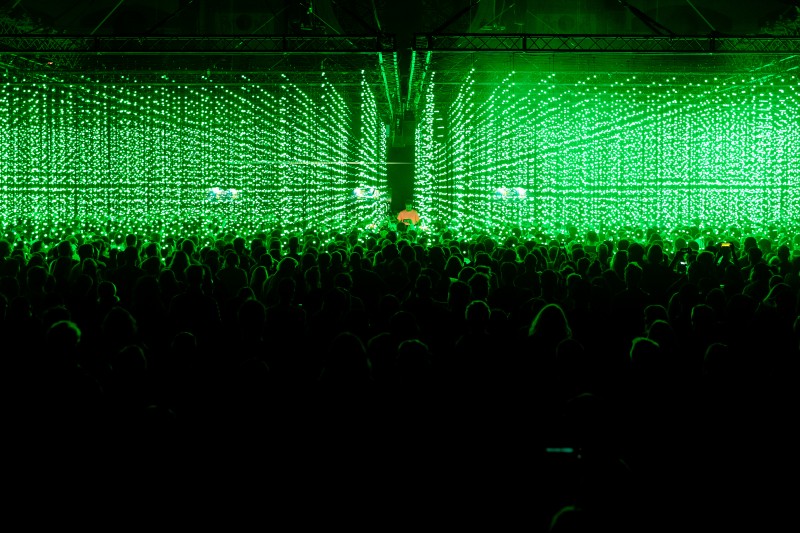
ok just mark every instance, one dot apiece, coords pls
pixel 717 360
pixel 413 363
pixel 152 265
pixel 654 312
pixel 633 275
pixel 36 277
pixel 781 298
pixel 107 292
pixel 662 333
pixel 64 249
pixel 184 343
pixel 86 251
pixel 119 327
pixel 129 360
pixel 655 254
pixel 187 246
pixel 765 245
pixel 63 337
pixel 646 355
pixel 477 314
pixel 195 275
pixel 571 519
pixel 5 249
pixel 479 285
pixel 403 325
pixel 635 252
pixel 550 325
pixel 287 266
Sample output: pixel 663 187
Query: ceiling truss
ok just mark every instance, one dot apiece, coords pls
pixel 144 59
pixel 483 42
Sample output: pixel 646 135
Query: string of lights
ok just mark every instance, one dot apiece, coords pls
pixel 172 157
pixel 547 153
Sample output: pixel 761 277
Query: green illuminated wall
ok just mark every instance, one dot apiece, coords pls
pixel 144 157
pixel 661 153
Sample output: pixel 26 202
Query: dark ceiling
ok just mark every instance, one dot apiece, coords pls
pixel 399 17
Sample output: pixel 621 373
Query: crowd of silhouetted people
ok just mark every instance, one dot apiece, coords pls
pixel 614 374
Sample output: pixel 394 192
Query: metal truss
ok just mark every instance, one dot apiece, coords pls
pixel 196 45
pixel 10 27
pixel 483 42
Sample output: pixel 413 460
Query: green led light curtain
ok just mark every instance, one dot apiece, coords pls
pixel 666 154
pixel 174 158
